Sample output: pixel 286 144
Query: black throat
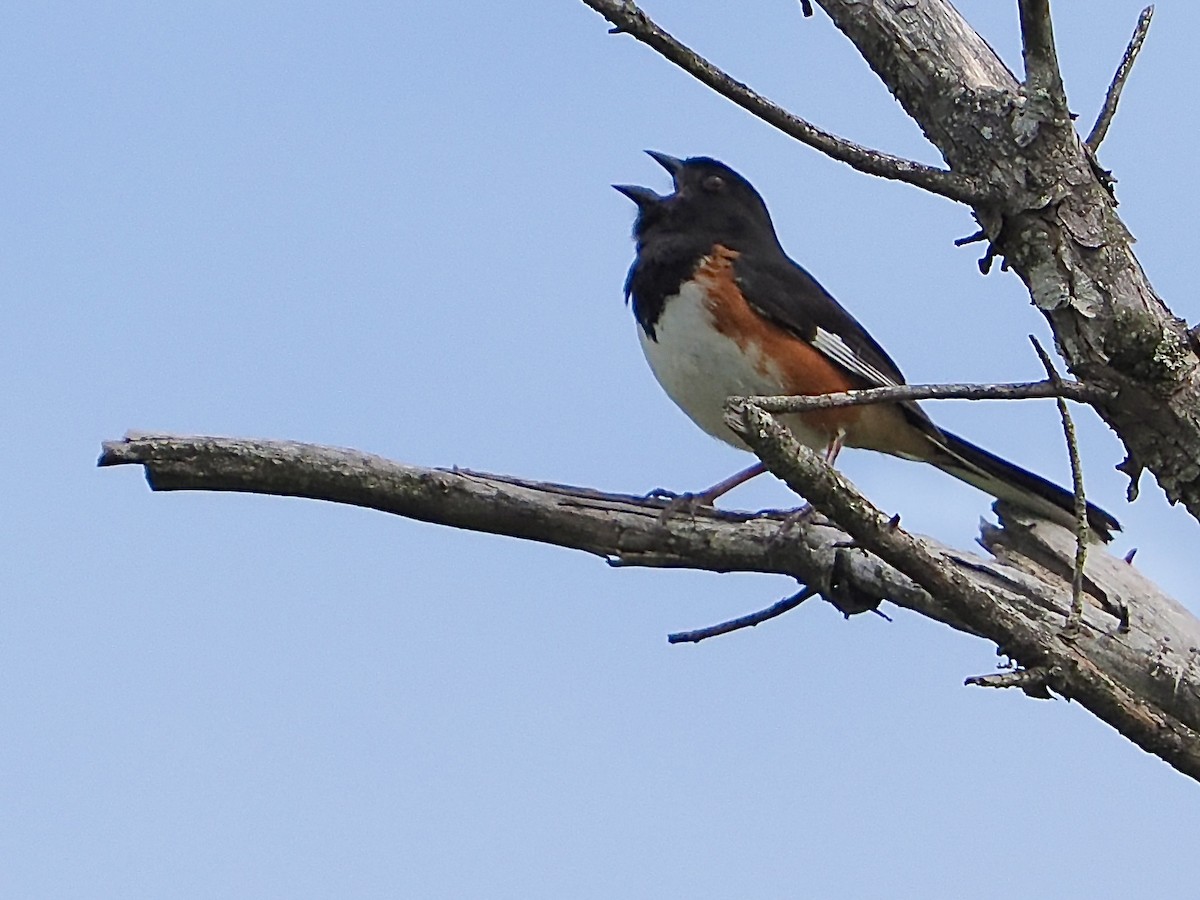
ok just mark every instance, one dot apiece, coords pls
pixel 663 264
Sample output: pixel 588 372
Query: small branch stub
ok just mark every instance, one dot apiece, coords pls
pixel 1043 78
pixel 1033 681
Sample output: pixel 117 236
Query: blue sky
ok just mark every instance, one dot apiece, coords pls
pixel 389 226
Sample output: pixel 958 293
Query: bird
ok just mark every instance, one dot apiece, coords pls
pixel 723 311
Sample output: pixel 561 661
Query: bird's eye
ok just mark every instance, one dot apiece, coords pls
pixel 714 184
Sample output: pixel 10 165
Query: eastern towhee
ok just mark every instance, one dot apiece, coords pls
pixel 722 311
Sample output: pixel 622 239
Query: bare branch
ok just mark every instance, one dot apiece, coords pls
pixel 628 18
pixel 787 604
pixel 1043 78
pixel 623 529
pixel 1022 390
pixel 1019 607
pixel 1081 522
pixel 1113 97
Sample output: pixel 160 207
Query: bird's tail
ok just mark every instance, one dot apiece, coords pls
pixel 1006 481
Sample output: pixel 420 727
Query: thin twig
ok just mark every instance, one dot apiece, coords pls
pixel 627 18
pixel 1043 78
pixel 1109 109
pixel 1075 617
pixel 1021 390
pixel 748 621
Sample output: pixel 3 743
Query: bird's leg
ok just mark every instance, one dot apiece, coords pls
pixel 834 447
pixel 707 497
pixel 802 515
pixel 690 502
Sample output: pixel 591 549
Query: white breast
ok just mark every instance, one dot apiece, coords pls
pixel 699 367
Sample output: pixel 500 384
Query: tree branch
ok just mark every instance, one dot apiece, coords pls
pixel 1144 682
pixel 787 604
pixel 1081 522
pixel 1024 390
pixel 1043 78
pixel 623 529
pixel 627 18
pixel 1078 675
pixel 1117 85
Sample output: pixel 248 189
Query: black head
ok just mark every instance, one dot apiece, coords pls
pixel 710 204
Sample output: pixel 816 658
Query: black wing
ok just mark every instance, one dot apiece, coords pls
pixel 786 294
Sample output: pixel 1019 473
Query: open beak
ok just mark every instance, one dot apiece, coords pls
pixel 670 163
pixel 642 196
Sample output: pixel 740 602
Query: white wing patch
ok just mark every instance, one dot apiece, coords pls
pixel 839 351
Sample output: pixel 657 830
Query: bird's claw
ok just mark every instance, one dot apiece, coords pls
pixel 662 494
pixel 681 504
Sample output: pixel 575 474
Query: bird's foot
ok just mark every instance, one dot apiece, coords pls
pixel 662 494
pixel 686 504
pixel 797 518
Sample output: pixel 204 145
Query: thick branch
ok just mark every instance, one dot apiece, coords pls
pixel 1143 682
pixel 624 529
pixel 628 18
